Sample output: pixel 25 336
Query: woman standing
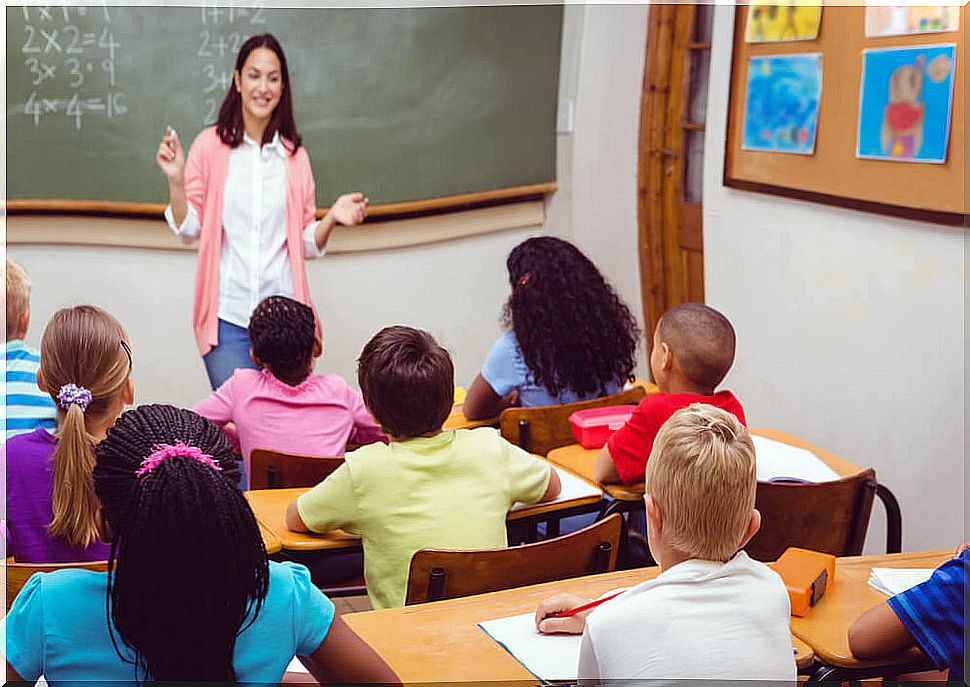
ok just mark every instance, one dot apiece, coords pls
pixel 247 193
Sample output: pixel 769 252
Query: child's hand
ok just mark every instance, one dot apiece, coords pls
pixel 963 547
pixel 350 209
pixel 572 625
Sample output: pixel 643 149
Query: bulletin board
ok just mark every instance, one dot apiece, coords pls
pixel 833 174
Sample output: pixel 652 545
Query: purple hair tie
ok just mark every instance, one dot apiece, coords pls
pixel 70 394
pixel 162 451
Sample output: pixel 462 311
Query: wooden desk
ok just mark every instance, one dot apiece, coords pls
pixel 580 460
pixel 457 420
pixel 825 628
pixel 269 506
pixel 270 540
pixel 440 642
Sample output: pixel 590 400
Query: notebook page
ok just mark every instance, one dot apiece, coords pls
pixel 894 581
pixel 572 488
pixel 777 460
pixel 551 658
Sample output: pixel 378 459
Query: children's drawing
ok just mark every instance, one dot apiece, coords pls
pixel 900 21
pixel 906 99
pixel 786 20
pixel 781 107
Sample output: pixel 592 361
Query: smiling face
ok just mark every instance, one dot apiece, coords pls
pixel 260 85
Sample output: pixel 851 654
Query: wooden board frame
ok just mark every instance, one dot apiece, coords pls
pixel 811 178
pixel 415 208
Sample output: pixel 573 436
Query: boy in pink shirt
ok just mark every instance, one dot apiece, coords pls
pixel 283 406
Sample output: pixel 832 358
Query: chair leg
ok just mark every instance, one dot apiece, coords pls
pixel 525 435
pixel 894 519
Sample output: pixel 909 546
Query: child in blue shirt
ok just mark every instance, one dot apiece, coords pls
pixel 930 615
pixel 27 407
pixel 192 597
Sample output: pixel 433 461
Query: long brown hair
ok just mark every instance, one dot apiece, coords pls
pixel 229 125
pixel 87 347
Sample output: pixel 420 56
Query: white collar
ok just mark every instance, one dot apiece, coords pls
pixel 276 145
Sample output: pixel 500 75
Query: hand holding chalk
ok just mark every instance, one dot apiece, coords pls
pixel 170 156
pixel 350 209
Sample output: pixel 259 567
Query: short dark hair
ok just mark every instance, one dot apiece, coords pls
pixel 407 380
pixel 282 332
pixel 701 339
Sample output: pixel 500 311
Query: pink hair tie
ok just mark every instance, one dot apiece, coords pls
pixel 162 451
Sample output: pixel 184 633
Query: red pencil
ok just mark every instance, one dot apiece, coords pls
pixel 585 607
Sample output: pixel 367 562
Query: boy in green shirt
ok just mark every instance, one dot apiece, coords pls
pixel 428 488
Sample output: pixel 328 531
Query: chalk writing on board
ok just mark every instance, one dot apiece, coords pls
pixel 223 31
pixel 69 56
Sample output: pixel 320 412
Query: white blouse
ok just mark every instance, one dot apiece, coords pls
pixel 254 263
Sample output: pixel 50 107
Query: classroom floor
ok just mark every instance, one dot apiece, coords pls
pixel 351 604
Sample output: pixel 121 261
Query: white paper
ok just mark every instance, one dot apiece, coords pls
pixel 297 667
pixel 776 460
pixel 892 581
pixel 572 488
pixel 552 658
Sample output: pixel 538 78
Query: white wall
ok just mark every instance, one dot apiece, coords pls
pixel 455 289
pixel 851 330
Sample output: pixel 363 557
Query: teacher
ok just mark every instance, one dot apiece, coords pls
pixel 247 193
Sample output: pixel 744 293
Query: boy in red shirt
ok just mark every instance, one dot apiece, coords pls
pixel 693 348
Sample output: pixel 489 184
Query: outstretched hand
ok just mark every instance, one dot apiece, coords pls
pixel 170 156
pixel 350 209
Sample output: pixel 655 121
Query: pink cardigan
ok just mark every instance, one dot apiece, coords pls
pixel 205 181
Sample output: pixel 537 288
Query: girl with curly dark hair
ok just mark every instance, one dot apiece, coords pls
pixel 569 336
pixel 189 594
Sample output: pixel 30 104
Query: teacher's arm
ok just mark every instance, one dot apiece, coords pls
pixel 181 216
pixel 349 209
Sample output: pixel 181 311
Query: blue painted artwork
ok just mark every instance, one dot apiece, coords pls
pixel 905 103
pixel 781 107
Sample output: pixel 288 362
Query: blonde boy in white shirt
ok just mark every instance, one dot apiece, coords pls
pixel 712 613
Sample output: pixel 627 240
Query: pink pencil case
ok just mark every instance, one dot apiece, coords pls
pixel 592 427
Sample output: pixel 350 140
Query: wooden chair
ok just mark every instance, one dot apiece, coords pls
pixel 19 573
pixel 825 516
pixel 543 428
pixel 277 470
pixel 441 574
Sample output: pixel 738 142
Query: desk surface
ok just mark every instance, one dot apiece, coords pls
pixel 825 628
pixel 580 460
pixel 269 506
pixel 440 642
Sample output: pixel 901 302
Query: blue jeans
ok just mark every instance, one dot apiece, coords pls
pixel 229 355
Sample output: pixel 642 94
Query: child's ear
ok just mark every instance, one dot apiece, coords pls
pixel 666 356
pixel 655 519
pixel 128 393
pixel 256 361
pixel 754 524
pixel 317 347
pixel 41 384
pixel 23 323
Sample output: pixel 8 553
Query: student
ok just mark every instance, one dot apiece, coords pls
pixel 693 348
pixel 428 488
pixel 930 615
pixel 568 335
pixel 27 407
pixel 192 596
pixel 712 613
pixel 283 406
pixel 51 505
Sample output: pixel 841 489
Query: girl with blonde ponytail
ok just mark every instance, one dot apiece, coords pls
pixel 85 365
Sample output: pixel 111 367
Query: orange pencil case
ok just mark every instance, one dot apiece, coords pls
pixel 806 574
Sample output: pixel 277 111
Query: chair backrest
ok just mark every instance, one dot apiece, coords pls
pixel 19 573
pixel 441 574
pixel 277 470
pixel 542 428
pixel 826 516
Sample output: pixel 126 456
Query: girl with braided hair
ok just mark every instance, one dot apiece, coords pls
pixel 282 405
pixel 568 335
pixel 85 366
pixel 189 594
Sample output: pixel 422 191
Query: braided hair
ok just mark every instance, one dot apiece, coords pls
pixel 282 332
pixel 574 331
pixel 187 563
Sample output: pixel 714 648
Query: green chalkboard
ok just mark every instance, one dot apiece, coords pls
pixel 403 104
